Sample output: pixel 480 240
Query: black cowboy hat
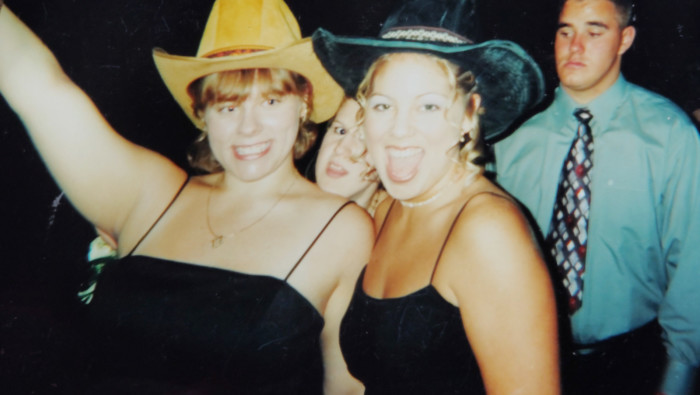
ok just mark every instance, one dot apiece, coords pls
pixel 508 79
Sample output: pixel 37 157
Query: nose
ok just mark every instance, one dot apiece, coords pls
pixel 577 43
pixel 401 126
pixel 249 120
pixel 350 145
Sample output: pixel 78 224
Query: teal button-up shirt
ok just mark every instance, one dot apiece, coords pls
pixel 643 254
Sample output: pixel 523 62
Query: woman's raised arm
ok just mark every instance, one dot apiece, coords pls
pixel 104 175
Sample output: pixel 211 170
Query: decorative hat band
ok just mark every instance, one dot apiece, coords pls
pixel 237 51
pixel 510 82
pixel 428 34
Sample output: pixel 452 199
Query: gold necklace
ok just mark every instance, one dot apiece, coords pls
pixel 219 239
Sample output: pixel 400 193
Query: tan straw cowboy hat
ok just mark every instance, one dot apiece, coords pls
pixel 249 34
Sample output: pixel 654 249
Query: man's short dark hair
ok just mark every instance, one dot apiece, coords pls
pixel 624 8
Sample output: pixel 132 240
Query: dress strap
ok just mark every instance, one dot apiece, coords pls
pixel 182 187
pixel 454 222
pixel 386 217
pixel 316 239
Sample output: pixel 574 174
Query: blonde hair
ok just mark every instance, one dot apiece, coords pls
pixel 235 86
pixel 463 83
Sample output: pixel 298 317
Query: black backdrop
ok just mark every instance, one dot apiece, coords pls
pixel 105 46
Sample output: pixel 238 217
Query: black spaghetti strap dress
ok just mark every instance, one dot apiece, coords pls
pixel 165 327
pixel 414 344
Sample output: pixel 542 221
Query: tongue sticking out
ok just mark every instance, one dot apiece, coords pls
pixel 402 164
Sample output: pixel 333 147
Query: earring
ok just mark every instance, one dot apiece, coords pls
pixel 465 137
pixel 453 153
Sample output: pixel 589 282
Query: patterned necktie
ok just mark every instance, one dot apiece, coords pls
pixel 568 232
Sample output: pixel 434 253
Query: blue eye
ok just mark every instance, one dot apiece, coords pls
pixel 430 107
pixel 340 130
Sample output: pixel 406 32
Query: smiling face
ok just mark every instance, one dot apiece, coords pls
pixel 252 135
pixel 341 164
pixel 588 47
pixel 413 117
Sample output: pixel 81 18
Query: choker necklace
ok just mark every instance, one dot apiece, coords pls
pixel 467 182
pixel 423 202
pixel 219 239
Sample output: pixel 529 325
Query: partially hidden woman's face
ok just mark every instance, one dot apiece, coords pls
pixel 341 164
pixel 254 137
pixel 412 120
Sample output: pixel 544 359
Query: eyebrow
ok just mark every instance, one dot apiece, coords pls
pixel 589 24
pixel 375 94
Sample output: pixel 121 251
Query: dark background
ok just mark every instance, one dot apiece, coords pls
pixel 105 46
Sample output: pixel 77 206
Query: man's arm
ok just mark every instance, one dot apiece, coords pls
pixel 680 313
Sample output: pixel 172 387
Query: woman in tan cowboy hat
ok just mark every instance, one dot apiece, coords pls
pixel 456 298
pixel 230 282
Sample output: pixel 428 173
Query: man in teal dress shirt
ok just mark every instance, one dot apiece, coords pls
pixel 642 264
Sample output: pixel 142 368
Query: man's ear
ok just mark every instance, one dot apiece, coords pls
pixel 628 35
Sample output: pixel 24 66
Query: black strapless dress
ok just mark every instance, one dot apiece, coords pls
pixel 164 327
pixel 414 344
pixel 169 327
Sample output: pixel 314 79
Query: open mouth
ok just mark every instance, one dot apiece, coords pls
pixel 403 163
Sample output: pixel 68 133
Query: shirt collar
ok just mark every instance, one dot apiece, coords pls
pixel 602 107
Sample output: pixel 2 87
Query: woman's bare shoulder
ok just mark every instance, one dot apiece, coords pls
pixel 495 234
pixel 491 213
pixel 382 210
pixel 345 216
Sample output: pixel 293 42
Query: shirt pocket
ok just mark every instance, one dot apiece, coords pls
pixel 622 207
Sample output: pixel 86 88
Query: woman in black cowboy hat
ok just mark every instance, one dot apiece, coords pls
pixel 230 282
pixel 456 297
